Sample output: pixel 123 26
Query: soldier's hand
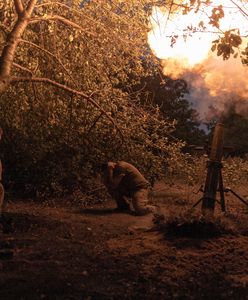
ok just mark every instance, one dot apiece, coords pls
pixel 111 165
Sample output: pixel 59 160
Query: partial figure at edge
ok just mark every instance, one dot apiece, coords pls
pixel 1 185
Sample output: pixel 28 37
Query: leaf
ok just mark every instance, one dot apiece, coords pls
pixel 213 48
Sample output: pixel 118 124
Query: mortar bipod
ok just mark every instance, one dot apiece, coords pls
pixel 214 180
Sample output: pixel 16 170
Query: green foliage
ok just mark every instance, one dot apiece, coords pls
pixel 193 224
pixel 169 94
pixel 192 170
pixel 230 42
pixel 48 153
pixel 235 171
pixel 236 128
pixel 54 140
pixel 245 55
pixel 217 14
pixel 226 45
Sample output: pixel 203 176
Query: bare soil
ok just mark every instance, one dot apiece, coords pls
pixel 54 251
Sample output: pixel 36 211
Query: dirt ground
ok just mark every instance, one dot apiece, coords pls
pixel 52 251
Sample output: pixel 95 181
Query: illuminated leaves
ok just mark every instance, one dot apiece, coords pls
pixel 226 45
pixel 245 56
pixel 212 19
pixel 99 48
pixel 235 171
pixel 217 14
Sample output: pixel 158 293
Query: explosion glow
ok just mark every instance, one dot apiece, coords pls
pixel 183 42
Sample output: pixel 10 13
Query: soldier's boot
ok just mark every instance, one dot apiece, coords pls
pixel 122 204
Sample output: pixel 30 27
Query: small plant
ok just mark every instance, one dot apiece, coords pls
pixel 193 225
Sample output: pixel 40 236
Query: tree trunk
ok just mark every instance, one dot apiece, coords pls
pixel 8 53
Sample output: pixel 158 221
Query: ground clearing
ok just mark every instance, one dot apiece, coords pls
pixel 65 252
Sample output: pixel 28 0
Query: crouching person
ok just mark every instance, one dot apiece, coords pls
pixel 124 181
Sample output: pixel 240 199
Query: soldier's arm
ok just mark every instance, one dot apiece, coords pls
pixel 114 180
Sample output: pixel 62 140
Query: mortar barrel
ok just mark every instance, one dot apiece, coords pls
pixel 217 143
pixel 214 167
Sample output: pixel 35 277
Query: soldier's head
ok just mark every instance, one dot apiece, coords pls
pixel 105 166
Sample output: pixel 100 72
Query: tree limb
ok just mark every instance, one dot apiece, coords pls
pixel 94 123
pixel 8 53
pixel 77 11
pixel 52 55
pixel 63 20
pixel 240 8
pixel 30 7
pixel 68 89
pixel 73 24
pixel 23 68
pixel 18 7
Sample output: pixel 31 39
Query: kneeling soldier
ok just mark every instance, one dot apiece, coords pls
pixel 124 180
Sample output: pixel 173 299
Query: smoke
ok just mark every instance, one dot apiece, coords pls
pixel 215 84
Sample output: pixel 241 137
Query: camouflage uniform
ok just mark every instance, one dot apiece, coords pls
pixel 133 185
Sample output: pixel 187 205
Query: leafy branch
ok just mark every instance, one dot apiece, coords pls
pixel 68 89
pixel 53 56
pixel 63 20
pixel 12 41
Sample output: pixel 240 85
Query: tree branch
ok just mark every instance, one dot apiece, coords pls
pixel 77 11
pixel 63 20
pixel 18 7
pixel 240 8
pixel 8 53
pixel 68 89
pixel 94 123
pixel 30 7
pixel 52 55
pixel 23 68
pixel 73 24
